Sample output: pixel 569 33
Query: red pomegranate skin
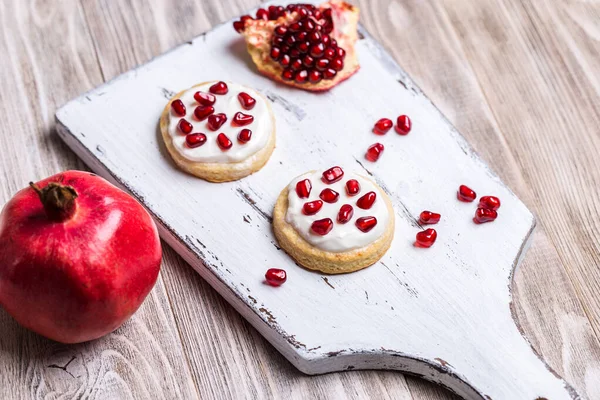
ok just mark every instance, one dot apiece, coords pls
pixel 79 279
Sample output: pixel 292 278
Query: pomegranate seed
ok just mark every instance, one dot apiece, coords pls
pixel 263 14
pixel 296 64
pixel 303 47
pixel 224 142
pixel 303 188
pixel 483 215
pixel 287 74
pixel 215 121
pixel 275 53
pixel 185 126
pixel 248 102
pixel 302 12
pixel 383 126
pixel 489 202
pixel 329 73
pixel 290 40
pixel 195 139
pixel 429 218
pixel 245 135
pixel 202 112
pixel 329 196
pixel 403 125
pixel 308 61
pixel 205 99
pixel 285 60
pixel 365 224
pixel 366 201
pixel 352 187
pixel 333 175
pixel 334 44
pixel 314 76
pixel 327 13
pixel 339 52
pixel 301 36
pixel 466 194
pixel 301 76
pixel 178 107
pixel 219 88
pixel 275 276
pixel 315 37
pixel 278 41
pixel 238 26
pixel 273 12
pixel 242 119
pixel 337 64
pixel 327 42
pixel 426 238
pixel 322 226
pixel 321 64
pixel 295 27
pixel 374 152
pixel 345 214
pixel 312 207
pixel 317 14
pixel 280 30
pixel 329 53
pixel 317 50
pixel 328 27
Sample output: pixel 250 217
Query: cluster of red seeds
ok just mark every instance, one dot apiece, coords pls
pixel 324 226
pixel 381 127
pixel 206 111
pixel 487 210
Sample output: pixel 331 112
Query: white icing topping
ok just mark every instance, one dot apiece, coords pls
pixel 343 237
pixel 210 152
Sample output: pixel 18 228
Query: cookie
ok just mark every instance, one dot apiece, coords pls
pixel 334 222
pixel 219 131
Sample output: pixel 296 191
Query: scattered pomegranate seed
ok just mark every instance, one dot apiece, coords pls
pixel 303 188
pixel 224 142
pixel 483 215
pixel 345 214
pixel 426 238
pixel 248 102
pixel 205 99
pixel 178 107
pixel 242 119
pixel 275 276
pixel 374 152
pixel 219 88
pixel 215 121
pixel 202 112
pixel 366 201
pixel 185 126
pixel 383 126
pixel 245 135
pixel 365 224
pixel 322 226
pixel 329 196
pixel 312 207
pixel 333 175
pixel 195 139
pixel 489 202
pixel 403 125
pixel 466 194
pixel 429 218
pixel 352 187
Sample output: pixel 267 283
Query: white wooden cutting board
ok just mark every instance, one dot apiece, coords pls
pixel 442 313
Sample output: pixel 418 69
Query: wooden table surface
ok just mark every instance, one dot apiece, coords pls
pixel 519 79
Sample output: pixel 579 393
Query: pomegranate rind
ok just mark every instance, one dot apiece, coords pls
pixel 259 33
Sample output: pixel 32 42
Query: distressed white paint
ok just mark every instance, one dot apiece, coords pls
pixel 442 313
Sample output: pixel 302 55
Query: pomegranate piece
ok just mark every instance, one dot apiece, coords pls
pixel 185 126
pixel 426 238
pixel 429 218
pixel 202 112
pixel 275 276
pixel 333 175
pixel 242 119
pixel 489 202
pixel 329 196
pixel 352 187
pixel 374 152
pixel 322 226
pixel 303 188
pixel 345 214
pixel 312 207
pixel 383 126
pixel 366 201
pixel 223 141
pixel 219 88
pixel 403 125
pixel 205 99
pixel 466 194
pixel 245 135
pixel 178 108
pixel 483 215
pixel 215 121
pixel 365 224
pixel 247 102
pixel 195 140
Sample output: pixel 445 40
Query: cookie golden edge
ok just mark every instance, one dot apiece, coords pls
pixel 217 172
pixel 327 262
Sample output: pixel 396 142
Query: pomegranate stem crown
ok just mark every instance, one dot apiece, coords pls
pixel 58 200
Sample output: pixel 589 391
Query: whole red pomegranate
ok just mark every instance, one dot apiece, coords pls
pixel 77 257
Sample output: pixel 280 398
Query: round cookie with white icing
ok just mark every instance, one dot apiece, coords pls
pixel 334 222
pixel 219 131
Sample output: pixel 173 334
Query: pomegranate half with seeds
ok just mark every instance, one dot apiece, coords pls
pixel 302 45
